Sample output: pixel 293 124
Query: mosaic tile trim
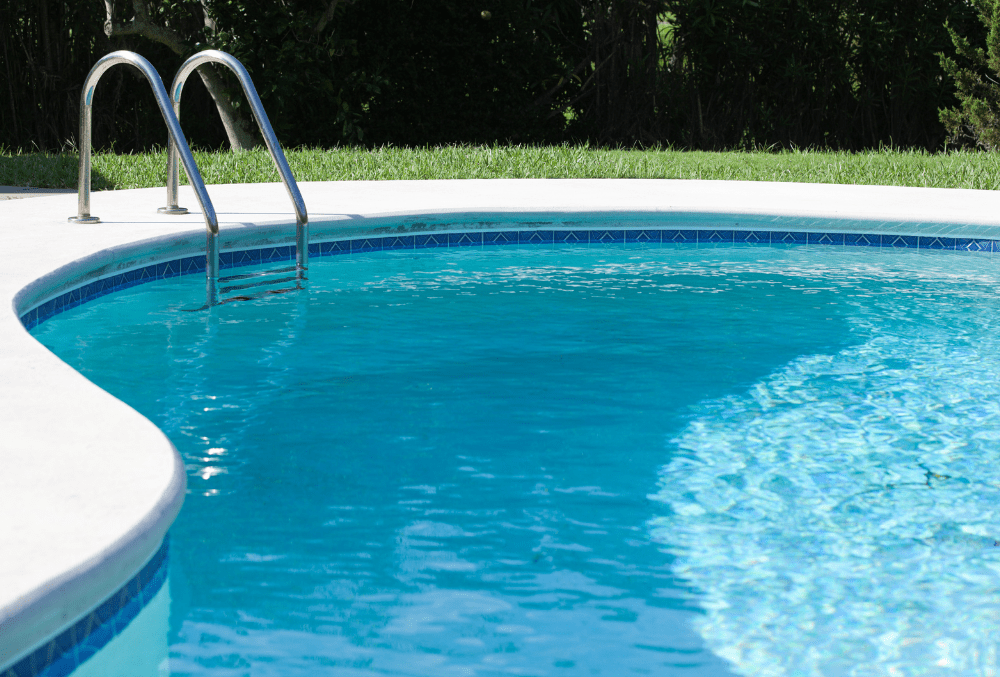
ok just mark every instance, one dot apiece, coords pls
pixel 252 257
pixel 62 655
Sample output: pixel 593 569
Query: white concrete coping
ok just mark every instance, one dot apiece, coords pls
pixel 89 487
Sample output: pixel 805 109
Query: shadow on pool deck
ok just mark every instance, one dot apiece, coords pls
pixel 18 192
pixel 39 174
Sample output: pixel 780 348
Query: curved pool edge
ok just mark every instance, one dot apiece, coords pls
pixel 95 486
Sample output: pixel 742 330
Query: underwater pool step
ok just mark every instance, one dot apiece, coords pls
pixel 260 273
pixel 258 295
pixel 258 283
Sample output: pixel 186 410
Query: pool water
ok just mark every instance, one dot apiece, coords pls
pixel 732 460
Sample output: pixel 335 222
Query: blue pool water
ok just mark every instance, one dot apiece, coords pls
pixel 576 461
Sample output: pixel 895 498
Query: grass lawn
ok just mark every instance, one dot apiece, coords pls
pixel 960 169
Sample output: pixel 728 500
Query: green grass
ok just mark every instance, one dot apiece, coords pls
pixel 960 169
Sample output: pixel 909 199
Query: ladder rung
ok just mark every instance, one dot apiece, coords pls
pixel 247 276
pixel 248 285
pixel 251 297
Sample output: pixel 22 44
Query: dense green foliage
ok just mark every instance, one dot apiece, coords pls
pixel 847 73
pixel 958 169
pixel 46 49
pixel 402 72
pixel 711 74
pixel 975 70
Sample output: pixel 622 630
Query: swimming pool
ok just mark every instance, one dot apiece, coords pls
pixel 439 463
pixel 937 234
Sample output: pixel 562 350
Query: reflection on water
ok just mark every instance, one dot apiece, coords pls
pixel 843 516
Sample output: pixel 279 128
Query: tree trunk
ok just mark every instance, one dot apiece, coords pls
pixel 46 43
pixel 327 16
pixel 236 126
pixel 240 137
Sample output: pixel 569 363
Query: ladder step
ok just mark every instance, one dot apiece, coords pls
pixel 247 276
pixel 251 297
pixel 261 283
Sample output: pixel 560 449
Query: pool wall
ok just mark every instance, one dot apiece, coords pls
pixel 97 276
pixel 90 487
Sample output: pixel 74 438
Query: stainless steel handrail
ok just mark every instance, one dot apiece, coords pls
pixel 177 142
pixel 231 62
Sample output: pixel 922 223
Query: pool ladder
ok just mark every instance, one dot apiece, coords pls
pixel 238 287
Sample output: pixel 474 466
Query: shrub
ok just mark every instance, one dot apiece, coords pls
pixel 852 74
pixel 976 119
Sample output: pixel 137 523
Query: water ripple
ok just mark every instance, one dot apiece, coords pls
pixel 843 517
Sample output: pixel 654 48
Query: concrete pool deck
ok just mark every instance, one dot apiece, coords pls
pixel 89 487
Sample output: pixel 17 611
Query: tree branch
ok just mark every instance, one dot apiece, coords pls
pixel 240 138
pixel 327 17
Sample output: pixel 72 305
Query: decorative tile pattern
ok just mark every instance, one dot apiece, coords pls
pixel 402 242
pixel 63 654
pixel 102 287
pixel 752 236
pixel 825 238
pixel 430 241
pixel 465 239
pixel 649 236
pixel 278 254
pixel 680 236
pixel 862 240
pixel 978 245
pixel 368 244
pixel 905 241
pixel 500 237
pixel 643 236
pixel 572 236
pixel 607 236
pixel 783 237
pixel 716 236
pixel 336 247
pixel 937 243
pixel 535 237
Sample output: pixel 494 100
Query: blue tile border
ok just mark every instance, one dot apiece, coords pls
pixel 482 238
pixel 66 652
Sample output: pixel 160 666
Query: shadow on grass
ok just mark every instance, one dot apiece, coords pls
pixel 47 170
